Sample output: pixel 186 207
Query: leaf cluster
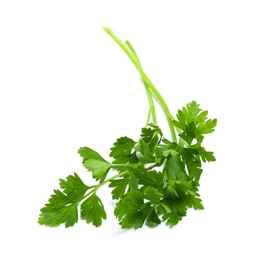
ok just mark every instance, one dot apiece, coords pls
pixel 63 205
pixel 155 180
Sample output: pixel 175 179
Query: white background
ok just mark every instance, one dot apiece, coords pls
pixel 65 84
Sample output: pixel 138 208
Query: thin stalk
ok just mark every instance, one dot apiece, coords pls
pixel 96 187
pixel 151 104
pixel 145 78
pixel 147 89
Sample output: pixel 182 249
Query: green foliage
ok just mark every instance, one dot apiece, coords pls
pixel 155 180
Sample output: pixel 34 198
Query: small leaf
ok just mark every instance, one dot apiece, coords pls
pixel 122 147
pixel 148 177
pixel 207 127
pixel 153 219
pixel 59 199
pixel 175 169
pixel 54 217
pixel 153 195
pixel 60 209
pixel 119 186
pixel 74 187
pixel 205 155
pixel 147 155
pixel 87 153
pixel 98 168
pixel 92 210
pixel 131 210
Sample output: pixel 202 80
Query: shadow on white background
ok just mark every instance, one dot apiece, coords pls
pixel 65 84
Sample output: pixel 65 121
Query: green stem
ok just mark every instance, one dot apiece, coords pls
pixel 96 187
pixel 129 165
pixel 145 78
pixel 151 104
pixel 147 89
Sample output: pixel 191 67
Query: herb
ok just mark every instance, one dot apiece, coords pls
pixel 155 179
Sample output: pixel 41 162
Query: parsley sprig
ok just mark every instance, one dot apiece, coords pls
pixel 155 179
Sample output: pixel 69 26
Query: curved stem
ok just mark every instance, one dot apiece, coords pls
pixel 147 89
pixel 145 78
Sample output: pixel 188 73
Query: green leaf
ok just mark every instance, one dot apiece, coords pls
pixel 201 117
pixel 188 114
pixel 187 198
pixel 59 199
pixel 153 195
pixel 186 187
pixel 148 177
pixel 205 155
pixel 126 159
pixel 148 134
pixel 96 163
pixel 74 187
pixel 193 123
pixel 92 210
pixel 189 134
pixel 165 208
pixel 173 219
pixel 133 183
pixel 151 135
pixel 171 211
pixel 119 186
pixel 191 156
pixel 191 111
pixel 153 220
pixel 181 120
pixel 175 169
pixel 98 168
pixel 170 148
pixel 87 153
pixel 54 217
pixel 192 161
pixel 60 209
pixel 147 155
pixel 194 173
pixel 131 210
pixel 122 147
pixel 206 127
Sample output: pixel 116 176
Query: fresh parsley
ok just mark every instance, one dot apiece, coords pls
pixel 155 179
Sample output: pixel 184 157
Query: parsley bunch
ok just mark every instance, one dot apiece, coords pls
pixel 155 179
